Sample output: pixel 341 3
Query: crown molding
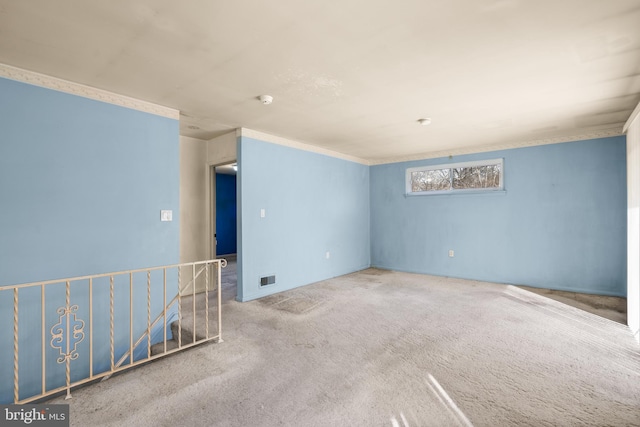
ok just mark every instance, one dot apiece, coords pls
pixel 60 85
pixel 250 133
pixel 604 133
pixel 634 115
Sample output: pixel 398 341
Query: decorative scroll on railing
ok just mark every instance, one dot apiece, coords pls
pixel 73 331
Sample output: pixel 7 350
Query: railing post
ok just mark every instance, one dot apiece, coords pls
pixel 164 311
pixel 179 307
pixel 148 313
pixel 16 377
pixel 91 327
pixel 193 299
pixel 131 318
pixel 111 321
pixel 206 299
pixel 44 348
pixel 68 340
pixel 219 267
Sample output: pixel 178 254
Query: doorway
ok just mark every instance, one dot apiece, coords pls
pixel 224 223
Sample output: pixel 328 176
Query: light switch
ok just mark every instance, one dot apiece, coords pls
pixel 263 213
pixel 166 215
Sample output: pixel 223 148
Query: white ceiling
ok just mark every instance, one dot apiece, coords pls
pixel 352 76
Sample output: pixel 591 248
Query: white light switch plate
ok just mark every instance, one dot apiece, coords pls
pixel 166 215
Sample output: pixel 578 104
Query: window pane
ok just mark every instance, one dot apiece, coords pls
pixel 476 177
pixel 431 180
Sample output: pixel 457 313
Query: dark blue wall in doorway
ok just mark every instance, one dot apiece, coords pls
pixel 226 214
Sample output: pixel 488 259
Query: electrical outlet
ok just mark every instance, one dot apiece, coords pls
pixel 450 253
pixel 327 255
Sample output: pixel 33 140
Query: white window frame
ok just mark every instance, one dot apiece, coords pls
pixel 489 162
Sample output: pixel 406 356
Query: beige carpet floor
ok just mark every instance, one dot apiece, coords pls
pixel 381 348
pixel 613 308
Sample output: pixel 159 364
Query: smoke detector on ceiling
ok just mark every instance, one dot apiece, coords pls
pixel 424 122
pixel 266 99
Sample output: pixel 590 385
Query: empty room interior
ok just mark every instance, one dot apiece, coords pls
pixel 410 213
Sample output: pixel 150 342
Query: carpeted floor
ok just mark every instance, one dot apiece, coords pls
pixel 612 308
pixel 381 348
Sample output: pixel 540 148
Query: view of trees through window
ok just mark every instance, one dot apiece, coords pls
pixel 483 175
pixel 431 180
pixel 476 177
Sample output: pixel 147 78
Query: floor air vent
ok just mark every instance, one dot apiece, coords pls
pixel 267 280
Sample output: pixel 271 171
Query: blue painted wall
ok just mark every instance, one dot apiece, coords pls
pixel 560 224
pixel 226 217
pixel 82 184
pixel 313 204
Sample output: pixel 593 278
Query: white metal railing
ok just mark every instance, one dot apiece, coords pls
pixel 51 354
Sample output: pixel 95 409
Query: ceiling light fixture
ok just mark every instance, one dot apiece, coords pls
pixel 424 122
pixel 266 99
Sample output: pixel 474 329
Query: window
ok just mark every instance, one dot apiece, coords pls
pixel 484 175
